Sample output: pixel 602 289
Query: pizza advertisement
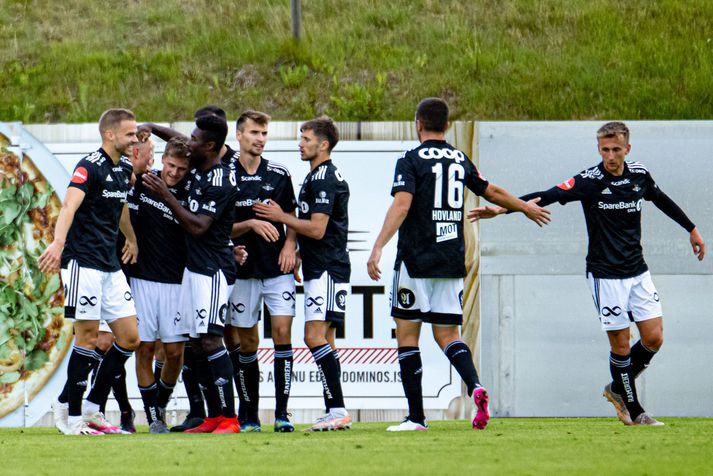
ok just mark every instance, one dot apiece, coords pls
pixel 34 337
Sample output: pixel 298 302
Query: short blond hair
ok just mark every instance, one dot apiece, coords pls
pixel 613 129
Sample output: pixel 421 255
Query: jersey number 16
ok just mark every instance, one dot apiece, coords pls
pixel 455 176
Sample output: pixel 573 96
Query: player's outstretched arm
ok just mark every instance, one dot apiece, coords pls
pixel 262 228
pixel 505 199
pixel 699 247
pixel 162 132
pixel 194 224
pixel 395 216
pixel 130 252
pixel 313 228
pixel 49 260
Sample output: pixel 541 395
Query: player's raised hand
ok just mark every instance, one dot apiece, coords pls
pixel 130 252
pixel 155 185
pixel 241 254
pixel 699 247
pixel 484 213
pixel 372 265
pixel 265 229
pixel 269 210
pixel 48 262
pixel 536 213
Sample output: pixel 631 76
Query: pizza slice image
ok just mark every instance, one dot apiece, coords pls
pixel 34 337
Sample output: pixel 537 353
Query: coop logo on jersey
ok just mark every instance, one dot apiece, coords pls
pixel 436 153
pixel 80 175
pixel 446 231
pixel 567 184
pixel 322 198
pixel 399 181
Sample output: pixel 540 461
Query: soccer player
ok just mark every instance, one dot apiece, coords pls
pixel 210 267
pixel 266 275
pixel 95 288
pixel 156 283
pixel 140 155
pixel 611 194
pixel 321 229
pixel 427 211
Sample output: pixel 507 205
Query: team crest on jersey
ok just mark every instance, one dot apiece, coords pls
pixel 567 184
pixel 268 188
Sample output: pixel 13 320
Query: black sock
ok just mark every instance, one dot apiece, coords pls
pixel 623 383
pixel 148 396
pixel 98 357
pixel 120 393
pixel 462 360
pixel 242 404
pixel 190 381
pixel 640 358
pixel 250 384
pixel 63 396
pixel 164 393
pixel 205 380
pixel 411 376
pixel 110 367
pixel 335 353
pixel 157 368
pixel 283 378
pixel 222 371
pixel 80 363
pixel 329 371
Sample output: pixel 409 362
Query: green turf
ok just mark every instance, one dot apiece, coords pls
pixel 358 59
pixel 509 446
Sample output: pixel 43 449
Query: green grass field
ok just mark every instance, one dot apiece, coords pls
pixel 508 446
pixel 358 59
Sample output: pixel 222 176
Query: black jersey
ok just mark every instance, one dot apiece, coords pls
pixel 431 242
pixel 271 181
pixel 612 211
pixel 212 193
pixel 230 158
pixel 324 190
pixel 162 241
pixel 92 237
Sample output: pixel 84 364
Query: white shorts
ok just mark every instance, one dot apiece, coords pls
pixel 92 295
pixel 204 304
pixel 248 295
pixel 157 305
pixel 437 301
pixel 621 301
pixel 104 327
pixel 325 300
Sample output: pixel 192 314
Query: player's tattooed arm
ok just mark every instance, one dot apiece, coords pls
pixel 50 258
pixel 194 224
pixel 395 216
pixel 130 252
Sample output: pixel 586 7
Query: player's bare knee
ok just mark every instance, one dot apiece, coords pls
pixel 210 343
pixel 653 342
pixel 145 352
pixel 129 342
pixel 174 353
pixel 281 335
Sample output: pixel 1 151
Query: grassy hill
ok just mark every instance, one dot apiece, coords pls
pixel 358 59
